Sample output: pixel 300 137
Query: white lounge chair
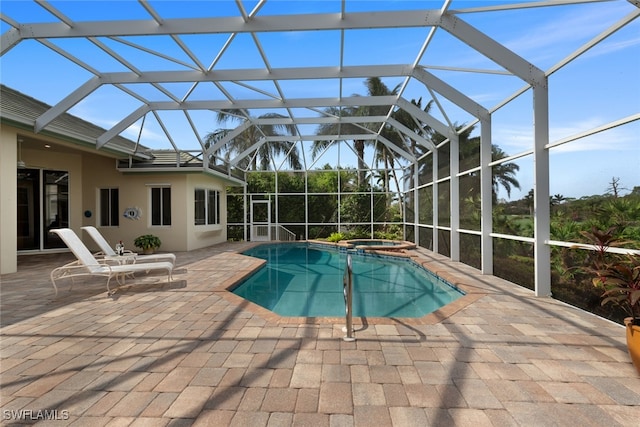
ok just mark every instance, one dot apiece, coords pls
pixel 108 251
pixel 87 264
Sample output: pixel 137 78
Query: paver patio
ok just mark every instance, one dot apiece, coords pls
pixel 191 353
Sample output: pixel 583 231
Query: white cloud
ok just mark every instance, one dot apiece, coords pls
pixel 147 137
pixel 605 47
pixel 566 27
pixel 517 139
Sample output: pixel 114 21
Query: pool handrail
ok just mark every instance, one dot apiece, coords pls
pixel 347 287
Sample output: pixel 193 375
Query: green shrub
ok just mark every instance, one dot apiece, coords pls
pixel 336 237
pixel 388 235
pixel 147 241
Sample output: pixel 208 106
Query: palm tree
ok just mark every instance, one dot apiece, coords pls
pixel 409 121
pixel 503 174
pixel 375 87
pixel 339 129
pixel 343 128
pixel 266 152
pixel 384 155
pixel 529 200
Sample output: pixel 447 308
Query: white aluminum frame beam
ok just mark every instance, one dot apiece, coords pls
pixel 541 192
pixel 486 197
pixel 228 137
pixel 67 103
pixel 248 151
pixel 493 50
pixel 325 137
pixel 222 25
pixel 423 116
pixel 353 101
pixel 391 146
pixel 531 5
pixel 451 93
pixel 318 120
pixel 258 74
pixel 427 143
pixel 454 198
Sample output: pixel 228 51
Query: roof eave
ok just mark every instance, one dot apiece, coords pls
pixel 65 135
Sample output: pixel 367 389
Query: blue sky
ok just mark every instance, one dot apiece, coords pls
pixel 599 87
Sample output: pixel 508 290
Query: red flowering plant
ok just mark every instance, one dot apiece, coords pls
pixel 617 274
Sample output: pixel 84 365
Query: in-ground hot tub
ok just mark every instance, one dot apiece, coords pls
pixel 379 244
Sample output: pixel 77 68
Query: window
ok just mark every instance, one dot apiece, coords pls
pixel 109 207
pixel 207 207
pixel 161 206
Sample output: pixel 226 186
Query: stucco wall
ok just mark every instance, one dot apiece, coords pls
pixel 8 184
pixel 70 162
pixel 89 172
pixel 200 236
pixel 34 159
pixel 134 191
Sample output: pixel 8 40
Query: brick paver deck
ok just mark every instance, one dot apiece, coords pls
pixel 191 353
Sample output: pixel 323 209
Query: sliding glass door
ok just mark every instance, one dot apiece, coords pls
pixel 42 204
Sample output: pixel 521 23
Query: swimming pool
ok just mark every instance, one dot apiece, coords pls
pixel 302 279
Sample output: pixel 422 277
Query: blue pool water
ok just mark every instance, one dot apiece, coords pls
pixel 302 279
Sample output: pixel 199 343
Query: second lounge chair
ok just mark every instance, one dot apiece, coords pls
pixel 108 251
pixel 87 265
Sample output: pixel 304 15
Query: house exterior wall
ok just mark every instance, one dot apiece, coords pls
pixel 70 162
pixel 36 159
pixel 8 212
pixel 89 171
pixel 134 191
pixel 200 236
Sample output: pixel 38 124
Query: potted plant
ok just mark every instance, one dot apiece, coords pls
pixel 148 243
pixel 618 275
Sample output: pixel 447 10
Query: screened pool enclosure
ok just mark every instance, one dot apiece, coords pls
pixel 491 132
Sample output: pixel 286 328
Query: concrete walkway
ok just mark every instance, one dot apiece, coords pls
pixel 191 353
